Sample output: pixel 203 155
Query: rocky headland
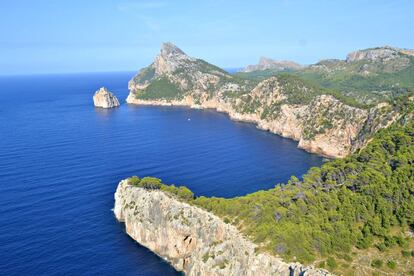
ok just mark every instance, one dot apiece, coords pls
pixel 320 121
pixel 193 240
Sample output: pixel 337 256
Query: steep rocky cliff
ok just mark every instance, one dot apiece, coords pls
pixel 283 104
pixel 192 240
pixel 105 99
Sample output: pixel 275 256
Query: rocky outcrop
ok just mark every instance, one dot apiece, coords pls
pixel 105 99
pixel 267 63
pixel 193 240
pixel 378 54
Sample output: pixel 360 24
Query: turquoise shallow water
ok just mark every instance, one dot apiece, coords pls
pixel 61 160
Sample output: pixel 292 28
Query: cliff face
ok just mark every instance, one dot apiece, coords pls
pixel 285 105
pixel 105 99
pixel 192 240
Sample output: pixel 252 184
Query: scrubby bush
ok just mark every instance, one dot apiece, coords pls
pixel 185 193
pixel 150 183
pixel 331 263
pixel 391 264
pixel 377 263
pixel 405 253
pixel 134 180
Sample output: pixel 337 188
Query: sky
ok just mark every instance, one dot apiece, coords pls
pixel 68 36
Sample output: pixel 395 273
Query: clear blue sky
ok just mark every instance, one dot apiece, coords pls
pixel 39 36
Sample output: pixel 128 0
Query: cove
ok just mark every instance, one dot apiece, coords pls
pixel 61 160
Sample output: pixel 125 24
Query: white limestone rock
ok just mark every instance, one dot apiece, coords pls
pixel 193 240
pixel 105 99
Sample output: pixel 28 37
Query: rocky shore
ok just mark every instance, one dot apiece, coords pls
pixel 322 123
pixel 340 140
pixel 193 240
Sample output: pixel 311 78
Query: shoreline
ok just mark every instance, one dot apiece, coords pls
pixel 237 117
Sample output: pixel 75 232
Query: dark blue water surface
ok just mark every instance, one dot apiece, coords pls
pixel 61 160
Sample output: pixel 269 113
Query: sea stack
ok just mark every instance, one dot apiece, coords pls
pixel 105 99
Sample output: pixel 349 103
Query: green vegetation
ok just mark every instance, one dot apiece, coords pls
pixel 391 264
pixel 152 183
pixel 360 203
pixel 347 203
pixel 360 83
pixel 377 263
pixel 384 81
pixel 331 263
pixel 160 88
pixel 149 183
pixel 259 74
pixel 144 75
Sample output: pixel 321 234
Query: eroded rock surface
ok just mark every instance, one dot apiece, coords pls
pixel 105 99
pixel 193 240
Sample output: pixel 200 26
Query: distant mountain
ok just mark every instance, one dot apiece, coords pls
pixel 267 63
pixel 369 76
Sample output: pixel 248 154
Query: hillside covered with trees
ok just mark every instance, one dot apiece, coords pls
pixel 337 214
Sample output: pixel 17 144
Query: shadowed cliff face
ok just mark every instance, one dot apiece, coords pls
pixel 193 240
pixel 283 104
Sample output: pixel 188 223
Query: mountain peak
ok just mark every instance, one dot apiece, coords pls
pixel 168 49
pixel 170 58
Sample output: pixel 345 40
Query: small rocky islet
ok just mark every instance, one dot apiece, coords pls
pixel 103 98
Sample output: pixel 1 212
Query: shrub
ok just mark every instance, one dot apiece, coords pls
pixel 321 264
pixel 150 183
pixel 390 241
pixel 381 247
pixel 406 253
pixel 185 193
pixel 134 181
pixel 347 258
pixel 331 263
pixel 377 263
pixel 392 264
pixel 401 241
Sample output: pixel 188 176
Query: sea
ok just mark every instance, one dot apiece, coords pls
pixel 61 160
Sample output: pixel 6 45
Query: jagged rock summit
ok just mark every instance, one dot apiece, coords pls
pixel 170 58
pixel 173 69
pixel 267 63
pixel 105 99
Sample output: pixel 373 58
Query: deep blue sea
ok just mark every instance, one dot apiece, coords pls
pixel 61 160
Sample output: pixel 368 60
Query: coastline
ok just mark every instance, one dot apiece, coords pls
pixel 284 130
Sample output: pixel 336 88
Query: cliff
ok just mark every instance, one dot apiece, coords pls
pixel 105 99
pixel 321 121
pixel 193 240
